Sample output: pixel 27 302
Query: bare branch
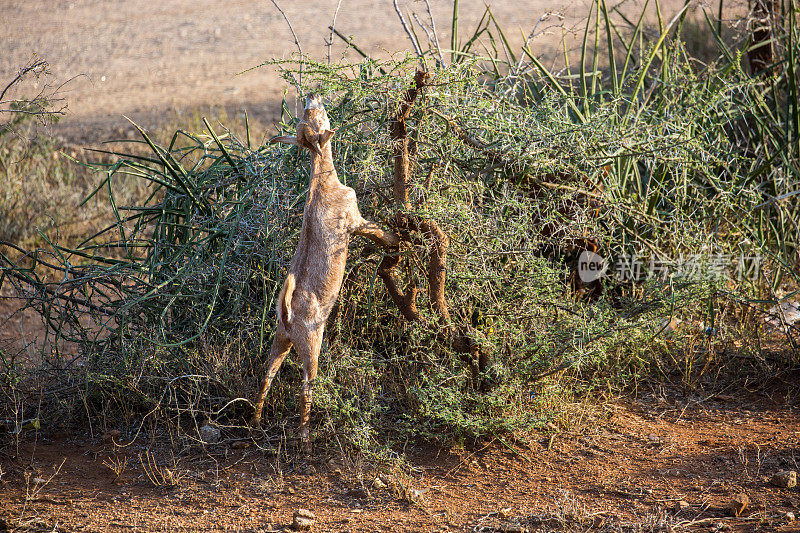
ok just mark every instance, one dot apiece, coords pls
pixel 37 67
pixel 533 34
pixel 435 33
pixel 431 33
pixel 410 34
pixel 329 42
pixel 296 39
pixel 40 105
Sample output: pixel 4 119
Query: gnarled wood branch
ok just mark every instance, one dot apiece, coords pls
pixel 458 339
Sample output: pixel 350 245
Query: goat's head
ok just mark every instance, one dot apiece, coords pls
pixel 314 131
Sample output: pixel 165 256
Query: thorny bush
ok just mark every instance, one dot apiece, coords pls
pixel 169 311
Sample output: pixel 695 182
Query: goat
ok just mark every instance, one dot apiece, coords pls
pixel 312 285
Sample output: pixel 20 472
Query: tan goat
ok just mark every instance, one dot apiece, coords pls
pixel 331 214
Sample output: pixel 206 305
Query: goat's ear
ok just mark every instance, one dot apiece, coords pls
pixel 285 139
pixel 325 136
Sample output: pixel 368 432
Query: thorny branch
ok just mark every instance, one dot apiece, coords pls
pixel 40 105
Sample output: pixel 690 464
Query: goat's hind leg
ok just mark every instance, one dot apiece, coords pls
pixel 309 354
pixel 281 345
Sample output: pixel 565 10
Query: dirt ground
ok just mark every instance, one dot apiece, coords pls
pixel 627 466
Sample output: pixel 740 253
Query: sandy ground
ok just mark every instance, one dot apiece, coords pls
pixel 665 462
pixel 149 60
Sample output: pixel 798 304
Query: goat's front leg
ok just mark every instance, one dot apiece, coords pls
pixel 375 233
pixel 281 345
pixel 309 354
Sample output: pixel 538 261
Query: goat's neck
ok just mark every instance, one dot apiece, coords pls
pixel 323 173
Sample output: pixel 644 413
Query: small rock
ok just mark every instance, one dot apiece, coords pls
pixel 416 496
pixel 653 438
pixel 303 519
pixel 379 483
pixel 513 527
pixel 681 505
pixel 209 434
pixel 785 479
pixel 738 503
pixel 789 516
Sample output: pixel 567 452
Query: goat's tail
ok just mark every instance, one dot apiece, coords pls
pixel 285 302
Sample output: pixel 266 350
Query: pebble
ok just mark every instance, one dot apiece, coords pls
pixel 789 516
pixel 303 519
pixel 209 434
pixel 785 479
pixel 416 496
